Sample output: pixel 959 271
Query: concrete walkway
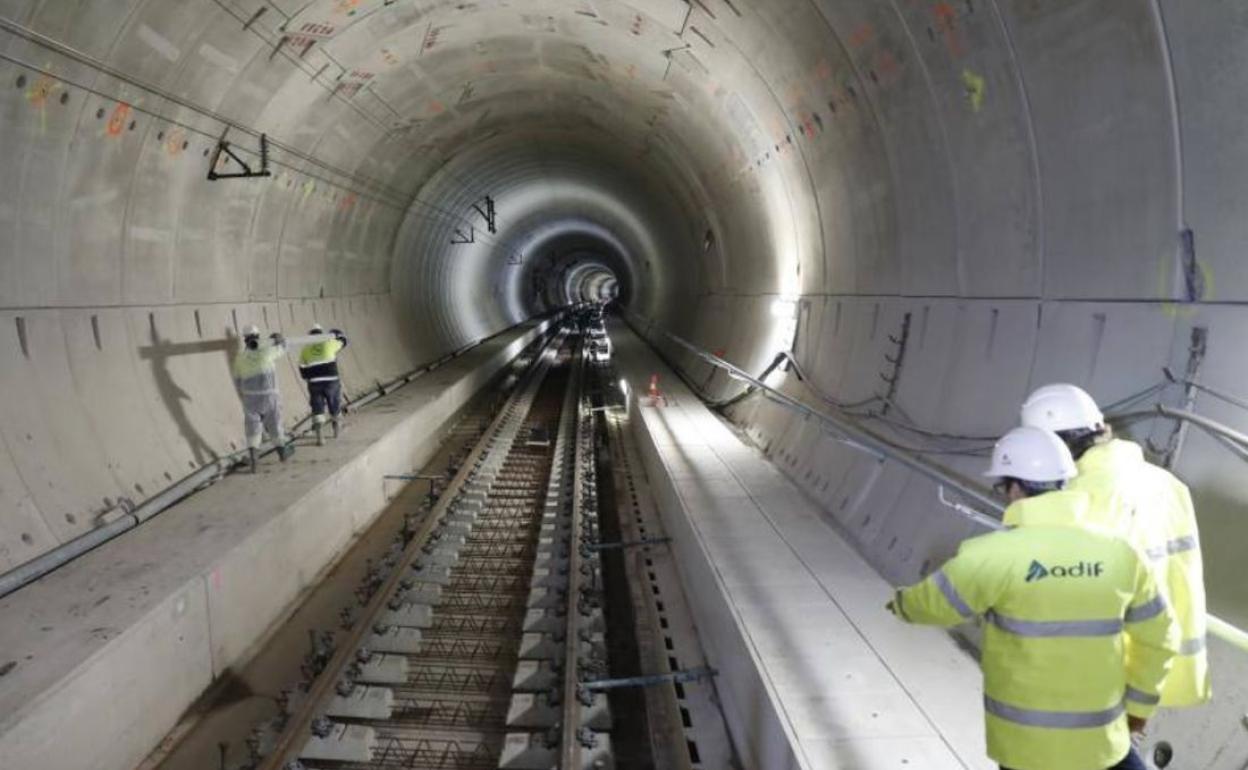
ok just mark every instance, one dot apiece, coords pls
pixel 814 673
pixel 112 649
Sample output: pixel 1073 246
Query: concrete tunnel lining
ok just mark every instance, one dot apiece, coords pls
pixel 1014 178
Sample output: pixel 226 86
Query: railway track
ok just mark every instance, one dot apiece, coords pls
pixel 473 651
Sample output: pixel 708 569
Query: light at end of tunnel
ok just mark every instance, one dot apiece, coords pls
pixel 784 308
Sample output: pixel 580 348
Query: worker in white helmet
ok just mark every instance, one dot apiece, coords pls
pixel 1077 636
pixel 255 379
pixel 1149 507
pixel 318 365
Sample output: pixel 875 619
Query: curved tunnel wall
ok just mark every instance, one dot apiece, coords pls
pixel 1015 177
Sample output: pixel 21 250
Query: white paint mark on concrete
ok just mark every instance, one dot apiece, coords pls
pixel 96 199
pixel 219 58
pixel 158 43
pixel 254 91
pixel 149 234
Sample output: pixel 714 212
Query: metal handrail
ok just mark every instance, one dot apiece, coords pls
pixel 868 441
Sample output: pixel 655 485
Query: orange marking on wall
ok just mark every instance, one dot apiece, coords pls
pixel 174 141
pixel 117 121
pixel 861 35
pixel 946 18
pixel 886 65
pixel 39 91
pixel 38 94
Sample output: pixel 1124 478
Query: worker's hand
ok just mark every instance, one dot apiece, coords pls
pixel 1136 724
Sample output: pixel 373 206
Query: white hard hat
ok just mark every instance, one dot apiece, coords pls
pixel 316 328
pixel 1032 454
pixel 1061 407
pixel 251 330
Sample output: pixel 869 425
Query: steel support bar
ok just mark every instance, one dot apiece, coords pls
pixel 650 680
pixel 413 476
pixel 628 543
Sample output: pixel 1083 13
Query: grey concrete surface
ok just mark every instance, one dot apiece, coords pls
pixel 812 673
pixel 111 650
pixel 1014 174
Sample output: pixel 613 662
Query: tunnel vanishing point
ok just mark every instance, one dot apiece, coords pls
pixel 931 207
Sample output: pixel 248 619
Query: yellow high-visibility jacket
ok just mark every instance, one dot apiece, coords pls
pixel 255 371
pixel 1059 601
pixel 1152 509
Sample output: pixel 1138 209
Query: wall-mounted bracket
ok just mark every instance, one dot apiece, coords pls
pixel 460 237
pixel 485 207
pixel 247 171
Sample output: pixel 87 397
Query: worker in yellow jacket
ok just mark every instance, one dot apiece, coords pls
pixel 318 365
pixel 255 380
pixel 1149 507
pixel 1060 604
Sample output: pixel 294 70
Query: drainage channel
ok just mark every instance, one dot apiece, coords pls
pixel 474 650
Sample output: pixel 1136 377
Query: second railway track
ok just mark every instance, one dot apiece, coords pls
pixel 470 653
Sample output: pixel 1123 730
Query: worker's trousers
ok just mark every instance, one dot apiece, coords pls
pixel 262 411
pixel 325 396
pixel 1131 761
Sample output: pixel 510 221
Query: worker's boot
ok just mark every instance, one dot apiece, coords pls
pixel 284 451
pixel 336 428
pixel 251 458
pixel 320 434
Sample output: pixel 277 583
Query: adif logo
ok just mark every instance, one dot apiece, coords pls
pixel 1037 571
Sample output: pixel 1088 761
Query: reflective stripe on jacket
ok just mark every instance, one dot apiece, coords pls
pixel 318 362
pixel 1153 510
pixel 1059 603
pixel 255 371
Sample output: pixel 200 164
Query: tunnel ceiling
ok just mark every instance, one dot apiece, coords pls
pixel 1032 190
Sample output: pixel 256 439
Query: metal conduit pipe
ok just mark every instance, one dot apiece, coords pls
pixel 852 434
pixel 865 439
pixel 201 478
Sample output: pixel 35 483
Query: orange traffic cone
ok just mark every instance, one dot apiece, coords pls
pixel 653 392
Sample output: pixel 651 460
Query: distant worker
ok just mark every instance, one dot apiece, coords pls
pixel 318 363
pixel 255 379
pixel 1060 604
pixel 1148 506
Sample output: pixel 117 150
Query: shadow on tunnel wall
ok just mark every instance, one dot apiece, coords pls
pixel 173 395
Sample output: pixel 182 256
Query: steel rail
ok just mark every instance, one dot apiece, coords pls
pixel 201 478
pixel 569 744
pixel 298 728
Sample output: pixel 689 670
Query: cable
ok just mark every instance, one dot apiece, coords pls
pixel 377 188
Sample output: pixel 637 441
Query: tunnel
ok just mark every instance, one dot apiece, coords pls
pixel 817 221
